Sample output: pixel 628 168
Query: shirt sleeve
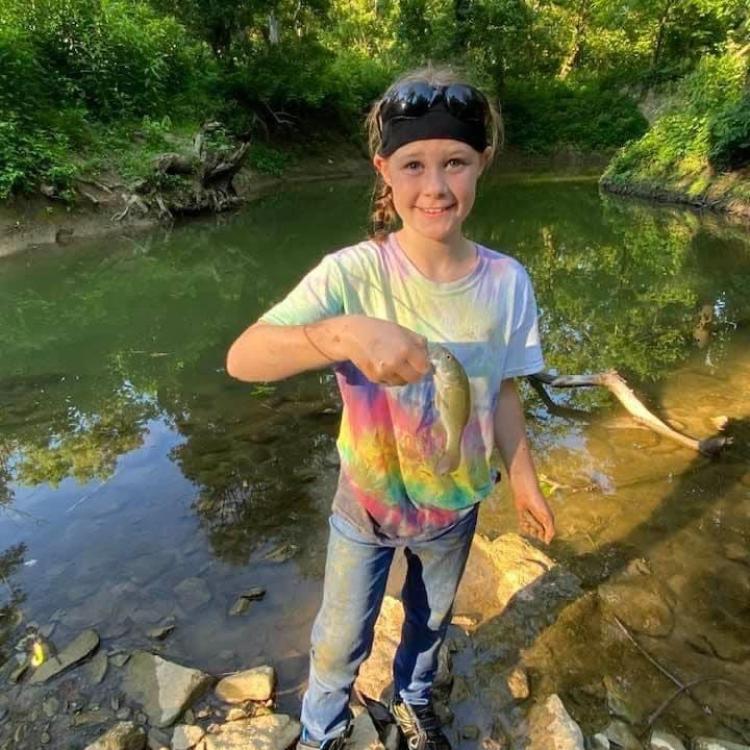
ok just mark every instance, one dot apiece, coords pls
pixel 524 353
pixel 318 295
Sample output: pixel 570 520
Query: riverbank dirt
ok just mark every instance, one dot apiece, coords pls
pixel 30 222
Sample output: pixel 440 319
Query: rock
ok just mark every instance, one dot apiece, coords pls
pixel 97 668
pixel 120 659
pixel 712 743
pixel 123 736
pixel 51 707
pixel 640 604
pixel 45 738
pixel 186 736
pixel 470 732
pixel 160 632
pixel 600 742
pixel 364 736
pixel 618 700
pixel 621 734
pixel 517 681
pixel 274 732
pixel 376 674
pixel 192 593
pixel 249 685
pixel 444 713
pixel 665 741
pixel 736 551
pixel 123 713
pixel 73 653
pixel 254 594
pixel 234 714
pixel 517 563
pixel 157 739
pixel 551 728
pixel 240 606
pixel 165 689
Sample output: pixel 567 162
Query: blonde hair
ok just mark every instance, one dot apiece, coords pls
pixel 383 216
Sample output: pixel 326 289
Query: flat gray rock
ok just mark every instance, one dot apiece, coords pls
pixel 163 688
pixel 73 653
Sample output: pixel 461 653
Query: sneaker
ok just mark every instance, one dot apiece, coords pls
pixel 420 726
pixel 336 743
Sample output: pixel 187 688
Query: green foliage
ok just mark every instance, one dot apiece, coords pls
pixel 545 115
pixel 707 127
pixel 268 160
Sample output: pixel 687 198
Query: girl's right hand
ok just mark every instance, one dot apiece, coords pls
pixel 385 352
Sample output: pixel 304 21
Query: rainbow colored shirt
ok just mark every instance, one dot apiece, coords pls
pixel 390 438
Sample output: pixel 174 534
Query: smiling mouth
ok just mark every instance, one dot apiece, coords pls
pixel 436 211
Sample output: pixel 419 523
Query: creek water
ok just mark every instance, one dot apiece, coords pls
pixel 138 481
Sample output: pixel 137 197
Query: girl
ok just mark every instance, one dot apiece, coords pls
pixel 368 310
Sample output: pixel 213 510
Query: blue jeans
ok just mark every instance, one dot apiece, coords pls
pixel 355 580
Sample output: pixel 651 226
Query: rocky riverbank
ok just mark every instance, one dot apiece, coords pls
pixel 518 624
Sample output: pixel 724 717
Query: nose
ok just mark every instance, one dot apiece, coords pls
pixel 435 184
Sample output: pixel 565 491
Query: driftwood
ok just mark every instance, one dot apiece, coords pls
pixel 613 382
pixel 189 183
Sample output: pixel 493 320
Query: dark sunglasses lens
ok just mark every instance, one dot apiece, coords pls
pixel 408 100
pixel 465 102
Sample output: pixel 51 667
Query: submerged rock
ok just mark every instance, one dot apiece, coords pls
pixel 73 653
pixel 250 685
pixel 274 732
pixel 165 689
pixel 552 728
pixel 641 604
pixel 97 668
pixel 192 593
pixel 123 736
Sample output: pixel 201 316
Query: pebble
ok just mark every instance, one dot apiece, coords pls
pixel 665 741
pixel 45 738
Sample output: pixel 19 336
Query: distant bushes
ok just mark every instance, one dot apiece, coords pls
pixel 64 63
pixel 705 130
pixel 543 115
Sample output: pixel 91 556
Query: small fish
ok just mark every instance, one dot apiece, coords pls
pixel 453 401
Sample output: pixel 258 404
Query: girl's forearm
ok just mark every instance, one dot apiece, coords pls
pixel 511 441
pixel 265 352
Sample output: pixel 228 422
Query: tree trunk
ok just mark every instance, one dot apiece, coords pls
pixel 579 33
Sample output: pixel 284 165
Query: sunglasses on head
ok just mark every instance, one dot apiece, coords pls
pixel 416 98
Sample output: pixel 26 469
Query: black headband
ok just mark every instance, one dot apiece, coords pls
pixel 437 122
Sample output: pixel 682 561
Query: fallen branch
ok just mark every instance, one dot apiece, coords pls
pixel 613 382
pixel 685 688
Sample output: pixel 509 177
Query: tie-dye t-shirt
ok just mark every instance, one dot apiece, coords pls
pixel 390 439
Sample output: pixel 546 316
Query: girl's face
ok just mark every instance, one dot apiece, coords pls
pixel 434 184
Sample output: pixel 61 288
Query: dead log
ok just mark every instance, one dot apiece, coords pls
pixel 613 382
pixel 175 164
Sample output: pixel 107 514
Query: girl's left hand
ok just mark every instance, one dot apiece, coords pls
pixel 535 516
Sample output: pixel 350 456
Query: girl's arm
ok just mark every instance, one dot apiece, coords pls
pixel 385 352
pixel 534 514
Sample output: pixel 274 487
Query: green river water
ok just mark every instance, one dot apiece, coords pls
pixel 138 481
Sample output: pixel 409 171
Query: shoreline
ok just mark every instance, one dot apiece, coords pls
pixel 717 197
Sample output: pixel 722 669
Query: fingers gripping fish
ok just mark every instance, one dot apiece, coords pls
pixel 453 402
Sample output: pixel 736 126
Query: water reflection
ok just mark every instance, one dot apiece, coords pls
pixel 120 429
